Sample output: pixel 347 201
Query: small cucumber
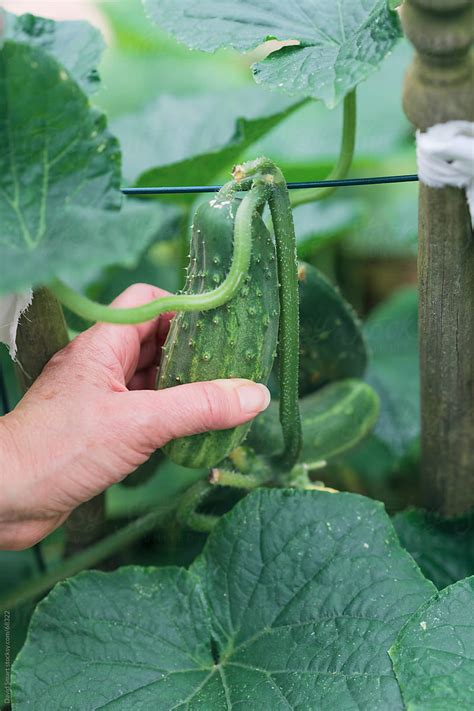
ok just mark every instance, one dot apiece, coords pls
pixel 334 419
pixel 237 340
pixel 332 345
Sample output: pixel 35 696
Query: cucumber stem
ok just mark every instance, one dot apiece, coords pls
pixel 235 480
pixel 346 155
pixel 187 514
pixel 93 311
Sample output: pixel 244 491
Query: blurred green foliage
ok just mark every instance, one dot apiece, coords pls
pixel 142 63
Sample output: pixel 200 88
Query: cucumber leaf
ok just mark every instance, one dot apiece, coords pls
pixel 332 345
pixel 433 656
pixel 16 567
pixel 444 549
pixel 77 45
pixel 338 44
pixel 334 419
pixel 314 133
pixel 81 240
pixel 59 178
pixel 293 603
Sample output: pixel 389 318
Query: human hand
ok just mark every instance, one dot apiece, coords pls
pixel 93 416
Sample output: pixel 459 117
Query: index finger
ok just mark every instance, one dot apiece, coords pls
pixel 121 344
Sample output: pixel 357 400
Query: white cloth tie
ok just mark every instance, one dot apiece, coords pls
pixel 445 155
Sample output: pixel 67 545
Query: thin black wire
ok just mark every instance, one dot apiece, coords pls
pixel 184 189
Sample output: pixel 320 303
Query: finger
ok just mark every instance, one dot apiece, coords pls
pixel 183 410
pixel 120 345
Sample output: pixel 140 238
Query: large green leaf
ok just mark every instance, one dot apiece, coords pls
pixel 333 419
pixel 340 44
pixel 59 177
pixel 294 603
pixel 444 550
pixel 76 45
pixel 314 133
pixel 189 140
pixel 433 656
pixel 392 336
pixel 79 241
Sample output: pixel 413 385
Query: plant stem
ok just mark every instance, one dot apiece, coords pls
pixel 225 477
pixel 187 514
pixel 346 155
pixel 86 559
pixel 42 332
pixel 38 554
pixel 92 311
pixel 202 523
pixel 289 335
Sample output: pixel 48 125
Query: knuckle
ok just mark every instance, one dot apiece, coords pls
pixel 216 405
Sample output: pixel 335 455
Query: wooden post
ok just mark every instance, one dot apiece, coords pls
pixel 439 87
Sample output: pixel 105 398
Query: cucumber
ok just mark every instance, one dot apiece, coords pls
pixel 334 419
pixel 237 340
pixel 332 345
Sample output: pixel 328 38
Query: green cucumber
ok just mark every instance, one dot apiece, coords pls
pixel 334 419
pixel 237 340
pixel 332 345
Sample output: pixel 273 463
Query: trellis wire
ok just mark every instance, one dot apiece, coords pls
pixel 347 182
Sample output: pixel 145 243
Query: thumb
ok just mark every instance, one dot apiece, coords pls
pixel 197 407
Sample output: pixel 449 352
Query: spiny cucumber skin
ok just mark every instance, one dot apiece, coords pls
pixel 334 419
pixel 237 340
pixel 332 345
